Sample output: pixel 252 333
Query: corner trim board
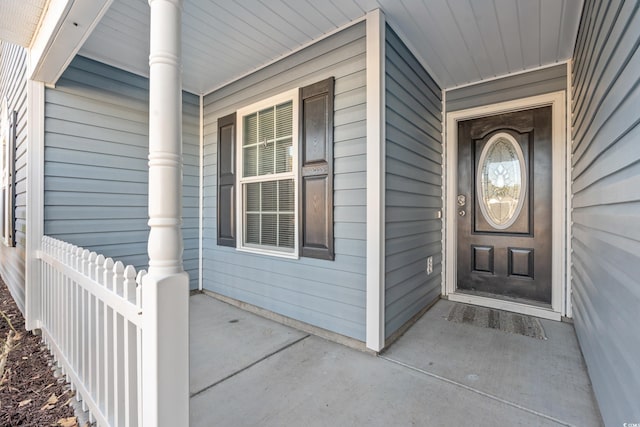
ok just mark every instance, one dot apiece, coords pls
pixel 375 264
pixel 201 192
pixel 444 211
pixel 35 201
pixel 567 303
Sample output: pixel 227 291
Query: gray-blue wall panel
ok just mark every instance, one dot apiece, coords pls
pixel 413 182
pixel 606 203
pixel 13 88
pixel 327 294
pixel 96 174
pixel 546 80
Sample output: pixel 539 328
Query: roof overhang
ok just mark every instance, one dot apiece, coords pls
pixel 52 30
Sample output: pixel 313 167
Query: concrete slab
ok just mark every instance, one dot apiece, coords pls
pixel 546 376
pixel 319 383
pixel 225 340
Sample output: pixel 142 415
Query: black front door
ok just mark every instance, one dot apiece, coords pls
pixel 504 206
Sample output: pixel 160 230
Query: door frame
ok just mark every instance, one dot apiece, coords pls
pixel 560 286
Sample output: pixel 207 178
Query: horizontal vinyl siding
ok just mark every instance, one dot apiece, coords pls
pixel 96 173
pixel 191 185
pixel 13 87
pixel 606 204
pixel 523 85
pixel 413 183
pixel 327 294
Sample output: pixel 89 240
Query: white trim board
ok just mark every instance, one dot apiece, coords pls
pixel 375 313
pixel 35 201
pixel 567 304
pixel 559 286
pixel 200 191
pixel 499 304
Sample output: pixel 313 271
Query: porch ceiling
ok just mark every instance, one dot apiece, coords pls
pixel 459 41
pixel 19 20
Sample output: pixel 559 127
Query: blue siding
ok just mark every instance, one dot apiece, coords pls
pixel 191 185
pixel 327 294
pixel 606 204
pixel 546 80
pixel 413 199
pixel 96 148
pixel 13 87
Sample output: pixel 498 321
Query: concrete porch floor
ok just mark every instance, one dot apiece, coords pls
pixel 250 371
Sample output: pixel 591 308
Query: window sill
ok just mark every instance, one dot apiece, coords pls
pixel 268 252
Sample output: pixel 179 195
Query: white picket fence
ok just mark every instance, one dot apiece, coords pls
pixel 92 324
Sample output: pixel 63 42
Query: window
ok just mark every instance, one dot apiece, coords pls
pixel 275 185
pixel 268 137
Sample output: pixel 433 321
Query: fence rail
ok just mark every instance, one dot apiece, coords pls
pixel 91 322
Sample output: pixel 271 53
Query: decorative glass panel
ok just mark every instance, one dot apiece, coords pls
pixel 501 181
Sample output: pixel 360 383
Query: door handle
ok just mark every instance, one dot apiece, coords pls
pixel 462 200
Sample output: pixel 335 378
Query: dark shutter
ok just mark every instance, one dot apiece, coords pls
pixel 316 170
pixel 11 184
pixel 226 181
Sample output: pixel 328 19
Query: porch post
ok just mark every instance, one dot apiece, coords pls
pixel 165 289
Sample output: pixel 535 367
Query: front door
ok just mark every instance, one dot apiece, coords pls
pixel 504 206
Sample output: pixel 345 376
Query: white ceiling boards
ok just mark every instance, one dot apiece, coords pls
pixel 459 41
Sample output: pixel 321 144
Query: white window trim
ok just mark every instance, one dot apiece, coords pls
pixel 293 96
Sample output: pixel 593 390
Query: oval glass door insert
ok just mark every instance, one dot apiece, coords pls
pixel 501 182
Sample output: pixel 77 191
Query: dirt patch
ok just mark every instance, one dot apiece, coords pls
pixel 30 394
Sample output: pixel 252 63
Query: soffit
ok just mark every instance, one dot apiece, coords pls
pixel 19 20
pixel 458 41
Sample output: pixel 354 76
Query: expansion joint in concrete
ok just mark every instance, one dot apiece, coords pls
pixel 233 374
pixel 480 392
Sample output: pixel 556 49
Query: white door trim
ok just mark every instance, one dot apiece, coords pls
pixel 559 202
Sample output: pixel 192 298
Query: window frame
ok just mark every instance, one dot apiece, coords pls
pixel 288 96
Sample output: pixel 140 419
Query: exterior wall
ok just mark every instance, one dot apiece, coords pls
pixel 96 174
pixel 13 86
pixel 327 294
pixel 191 186
pixel 606 204
pixel 537 82
pixel 413 179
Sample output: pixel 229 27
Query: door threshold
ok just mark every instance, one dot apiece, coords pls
pixel 516 307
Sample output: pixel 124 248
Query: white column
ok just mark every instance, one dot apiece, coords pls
pixel 165 289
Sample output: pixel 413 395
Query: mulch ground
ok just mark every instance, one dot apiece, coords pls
pixel 30 394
